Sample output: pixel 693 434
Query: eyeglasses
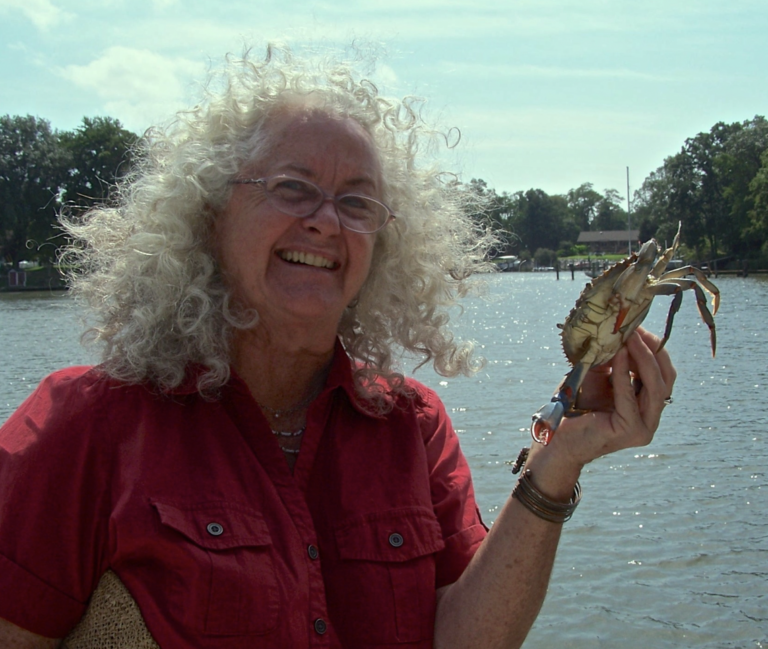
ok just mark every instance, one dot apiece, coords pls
pixel 301 198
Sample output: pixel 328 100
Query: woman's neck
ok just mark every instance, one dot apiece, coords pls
pixel 284 379
pixel 280 374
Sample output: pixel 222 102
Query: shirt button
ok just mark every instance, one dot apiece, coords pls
pixel 395 540
pixel 313 552
pixel 320 626
pixel 215 529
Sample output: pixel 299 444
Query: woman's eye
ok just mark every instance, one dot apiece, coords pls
pixel 293 186
pixel 294 191
pixel 355 202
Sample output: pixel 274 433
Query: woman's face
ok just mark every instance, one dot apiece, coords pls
pixel 304 269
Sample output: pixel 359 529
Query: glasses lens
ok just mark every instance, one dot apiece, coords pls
pixel 301 198
pixel 293 196
pixel 361 213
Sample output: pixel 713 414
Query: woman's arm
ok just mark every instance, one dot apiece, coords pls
pixel 14 637
pixel 496 600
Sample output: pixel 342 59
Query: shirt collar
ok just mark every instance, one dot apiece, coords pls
pixel 340 375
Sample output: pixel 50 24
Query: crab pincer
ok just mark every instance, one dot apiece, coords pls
pixel 563 403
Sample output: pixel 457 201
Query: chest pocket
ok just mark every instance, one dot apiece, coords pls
pixel 225 574
pixel 386 576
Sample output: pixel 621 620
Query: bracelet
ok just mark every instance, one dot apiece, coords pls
pixel 536 502
pixel 539 504
pixel 522 458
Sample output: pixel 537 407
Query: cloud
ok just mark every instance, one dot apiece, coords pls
pixel 137 86
pixel 42 13
pixel 547 72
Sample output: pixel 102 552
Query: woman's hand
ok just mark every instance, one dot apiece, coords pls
pixel 625 397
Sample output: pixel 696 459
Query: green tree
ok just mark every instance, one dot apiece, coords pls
pixel 708 187
pixel 32 165
pixel 545 257
pixel 737 166
pixel 540 220
pixel 99 153
pixel 494 210
pixel 650 206
pixel 758 191
pixel 583 204
pixel 610 215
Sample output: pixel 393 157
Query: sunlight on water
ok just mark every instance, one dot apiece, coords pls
pixel 39 333
pixel 669 547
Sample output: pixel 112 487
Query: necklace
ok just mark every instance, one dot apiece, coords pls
pixel 289 433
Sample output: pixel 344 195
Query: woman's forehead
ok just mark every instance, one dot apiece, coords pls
pixel 314 143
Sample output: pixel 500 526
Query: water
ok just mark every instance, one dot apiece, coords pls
pixel 39 333
pixel 669 547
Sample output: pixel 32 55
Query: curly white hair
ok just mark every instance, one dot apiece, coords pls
pixel 145 265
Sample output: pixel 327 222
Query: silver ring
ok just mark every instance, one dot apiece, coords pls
pixel 668 400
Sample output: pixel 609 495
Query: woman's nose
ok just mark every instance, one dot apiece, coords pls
pixel 325 218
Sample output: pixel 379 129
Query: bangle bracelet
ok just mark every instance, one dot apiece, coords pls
pixel 535 501
pixel 522 458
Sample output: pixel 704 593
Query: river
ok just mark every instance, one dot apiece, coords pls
pixel 669 547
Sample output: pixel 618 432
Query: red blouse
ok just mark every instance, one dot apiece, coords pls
pixel 192 504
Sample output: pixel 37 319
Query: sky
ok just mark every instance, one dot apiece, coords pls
pixel 547 94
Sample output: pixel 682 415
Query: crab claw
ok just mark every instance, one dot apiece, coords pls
pixel 545 421
pixel 547 418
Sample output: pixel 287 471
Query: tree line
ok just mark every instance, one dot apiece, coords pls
pixel 44 171
pixel 716 185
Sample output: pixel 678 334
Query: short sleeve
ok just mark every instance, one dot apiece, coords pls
pixel 53 505
pixel 453 496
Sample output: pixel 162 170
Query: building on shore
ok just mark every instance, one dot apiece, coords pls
pixel 610 241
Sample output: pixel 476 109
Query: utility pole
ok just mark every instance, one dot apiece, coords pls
pixel 629 210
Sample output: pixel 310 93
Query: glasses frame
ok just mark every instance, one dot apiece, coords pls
pixel 325 197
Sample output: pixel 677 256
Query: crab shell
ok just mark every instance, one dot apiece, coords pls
pixel 589 333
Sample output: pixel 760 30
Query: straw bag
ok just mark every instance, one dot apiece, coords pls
pixel 113 620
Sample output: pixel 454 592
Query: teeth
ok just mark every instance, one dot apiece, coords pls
pixel 308 259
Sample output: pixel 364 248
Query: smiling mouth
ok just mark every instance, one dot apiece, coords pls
pixel 308 259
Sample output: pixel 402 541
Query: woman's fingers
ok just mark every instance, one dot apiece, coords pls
pixel 626 399
pixel 630 420
pixel 668 372
pixel 596 392
pixel 657 374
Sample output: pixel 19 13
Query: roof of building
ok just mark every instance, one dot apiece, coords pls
pixel 608 235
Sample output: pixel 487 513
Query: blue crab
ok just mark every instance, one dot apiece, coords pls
pixel 608 310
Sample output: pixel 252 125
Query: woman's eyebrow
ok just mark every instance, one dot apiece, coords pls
pixel 355 182
pixel 304 171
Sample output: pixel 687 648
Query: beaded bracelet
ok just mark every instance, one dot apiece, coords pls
pixel 536 502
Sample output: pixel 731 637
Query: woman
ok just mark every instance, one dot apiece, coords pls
pixel 246 460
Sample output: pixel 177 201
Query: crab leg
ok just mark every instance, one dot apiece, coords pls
pixel 701 278
pixel 675 287
pixel 673 309
pixel 660 266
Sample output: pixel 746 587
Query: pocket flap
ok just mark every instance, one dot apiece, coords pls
pixel 393 535
pixel 216 525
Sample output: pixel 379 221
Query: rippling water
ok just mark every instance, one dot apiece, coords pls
pixel 669 547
